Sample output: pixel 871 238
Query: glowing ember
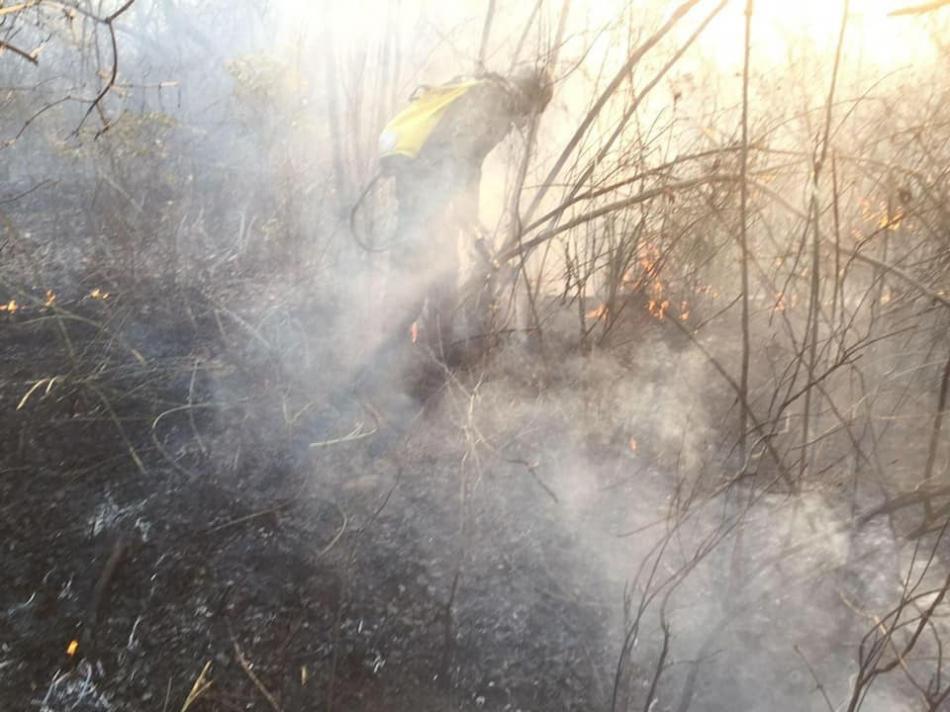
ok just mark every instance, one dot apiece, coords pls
pixel 10 306
pixel 72 648
pixel 414 331
pixel 658 308
pixel 50 298
pixel 597 312
pixel 98 294
pixel 632 444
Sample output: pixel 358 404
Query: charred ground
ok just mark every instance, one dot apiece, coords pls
pixel 699 461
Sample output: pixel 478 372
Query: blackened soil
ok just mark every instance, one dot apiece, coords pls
pixel 171 542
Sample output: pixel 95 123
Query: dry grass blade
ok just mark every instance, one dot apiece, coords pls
pixel 248 518
pixel 344 521
pixel 33 389
pixel 199 688
pixel 246 666
pixel 358 433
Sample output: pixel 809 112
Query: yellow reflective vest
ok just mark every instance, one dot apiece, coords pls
pixel 408 131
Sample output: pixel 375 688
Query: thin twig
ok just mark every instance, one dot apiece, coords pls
pixel 28 56
pixel 246 666
pixel 920 9
pixel 744 237
pixel 814 676
pixel 486 34
pixel 248 518
pixel 602 100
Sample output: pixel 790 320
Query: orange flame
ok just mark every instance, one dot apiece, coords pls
pixel 881 215
pixel 10 306
pixel 414 331
pixel 783 302
pixel 658 308
pixel 50 298
pixel 649 261
pixel 597 312
pixel 658 305
pixel 892 221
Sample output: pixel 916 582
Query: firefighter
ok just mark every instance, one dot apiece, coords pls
pixel 434 150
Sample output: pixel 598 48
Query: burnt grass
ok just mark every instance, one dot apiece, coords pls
pixel 159 507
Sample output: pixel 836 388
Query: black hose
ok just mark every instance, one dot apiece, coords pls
pixel 359 202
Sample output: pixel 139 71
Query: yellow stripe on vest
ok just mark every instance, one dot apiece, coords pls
pixel 408 131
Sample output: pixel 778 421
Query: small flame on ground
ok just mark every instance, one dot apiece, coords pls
pixel 658 308
pixel 414 331
pixel 10 306
pixel 50 298
pixel 658 305
pixel 72 648
pixel 632 444
pixel 650 262
pixel 881 215
pixel 98 294
pixel 598 312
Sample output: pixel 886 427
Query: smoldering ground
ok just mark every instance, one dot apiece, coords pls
pixel 205 507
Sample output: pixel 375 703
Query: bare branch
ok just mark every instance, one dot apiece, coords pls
pixel 28 56
pixel 920 9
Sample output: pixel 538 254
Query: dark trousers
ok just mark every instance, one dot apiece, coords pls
pixel 421 294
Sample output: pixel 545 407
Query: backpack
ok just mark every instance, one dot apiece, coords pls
pixel 407 132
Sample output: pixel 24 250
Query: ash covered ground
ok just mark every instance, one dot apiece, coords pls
pixel 213 527
pixel 699 463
